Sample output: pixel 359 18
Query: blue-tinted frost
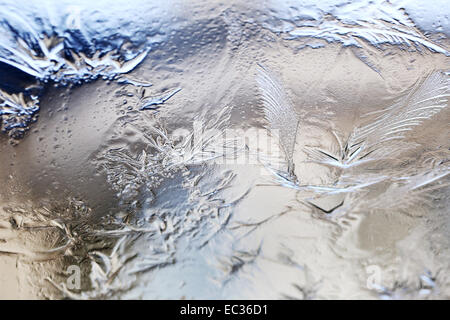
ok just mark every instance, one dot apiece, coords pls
pixel 65 42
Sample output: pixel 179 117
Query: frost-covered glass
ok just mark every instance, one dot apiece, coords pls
pixel 224 149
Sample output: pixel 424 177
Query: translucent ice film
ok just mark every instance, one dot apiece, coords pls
pixel 268 149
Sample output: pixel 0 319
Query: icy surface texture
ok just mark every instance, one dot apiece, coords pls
pixel 202 149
